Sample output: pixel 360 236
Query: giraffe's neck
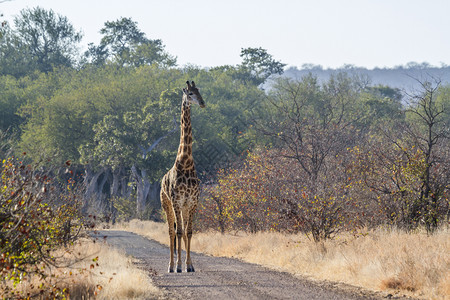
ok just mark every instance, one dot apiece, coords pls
pixel 184 156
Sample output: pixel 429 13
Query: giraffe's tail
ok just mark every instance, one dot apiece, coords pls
pixel 175 239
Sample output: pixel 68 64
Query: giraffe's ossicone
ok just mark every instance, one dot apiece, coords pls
pixel 180 186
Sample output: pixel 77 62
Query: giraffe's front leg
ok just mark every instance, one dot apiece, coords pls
pixel 179 235
pixel 189 266
pixel 173 245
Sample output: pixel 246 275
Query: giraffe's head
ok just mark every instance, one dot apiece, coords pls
pixel 192 95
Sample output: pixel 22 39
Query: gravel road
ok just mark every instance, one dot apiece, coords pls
pixel 221 278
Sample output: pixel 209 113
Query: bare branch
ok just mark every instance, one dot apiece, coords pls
pixel 152 146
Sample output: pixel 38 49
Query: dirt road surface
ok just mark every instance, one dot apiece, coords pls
pixel 221 278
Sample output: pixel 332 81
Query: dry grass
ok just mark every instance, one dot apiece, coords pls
pixel 412 264
pixel 120 278
pixel 101 272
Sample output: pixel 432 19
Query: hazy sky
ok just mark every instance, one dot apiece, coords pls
pixel 367 33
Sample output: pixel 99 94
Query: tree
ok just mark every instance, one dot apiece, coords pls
pixel 14 57
pixel 11 98
pixel 124 43
pixel 97 55
pixel 406 167
pixel 429 130
pixel 311 127
pixel 40 41
pixel 314 123
pixel 258 65
pixel 222 130
pixel 3 23
pixel 379 106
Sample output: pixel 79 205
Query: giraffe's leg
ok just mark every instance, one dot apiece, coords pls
pixel 189 266
pixel 179 235
pixel 172 237
pixel 171 223
pixel 185 215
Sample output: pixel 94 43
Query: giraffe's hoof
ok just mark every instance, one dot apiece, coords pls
pixel 178 269
pixel 190 269
pixel 170 270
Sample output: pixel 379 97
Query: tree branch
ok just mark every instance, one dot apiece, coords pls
pixel 152 146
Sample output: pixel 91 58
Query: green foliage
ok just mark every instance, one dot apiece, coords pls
pixel 258 65
pixel 112 115
pixel 125 44
pixel 41 40
pixel 221 130
pixel 124 208
pixel 11 99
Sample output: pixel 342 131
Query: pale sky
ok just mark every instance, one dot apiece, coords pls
pixel 331 33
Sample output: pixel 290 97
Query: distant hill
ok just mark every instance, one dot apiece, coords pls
pixel 399 77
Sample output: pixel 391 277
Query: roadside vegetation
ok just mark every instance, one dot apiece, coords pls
pixel 328 169
pixel 45 252
pixel 91 271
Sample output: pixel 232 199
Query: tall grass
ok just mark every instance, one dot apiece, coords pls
pixel 99 272
pixel 392 261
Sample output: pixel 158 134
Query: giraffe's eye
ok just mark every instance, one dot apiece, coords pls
pixel 190 94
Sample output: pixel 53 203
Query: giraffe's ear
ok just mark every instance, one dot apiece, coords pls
pixel 185 91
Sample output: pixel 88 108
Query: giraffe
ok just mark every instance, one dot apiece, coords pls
pixel 180 186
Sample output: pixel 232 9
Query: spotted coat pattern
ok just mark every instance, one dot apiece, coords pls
pixel 180 186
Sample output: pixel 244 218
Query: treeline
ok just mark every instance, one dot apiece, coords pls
pixel 402 77
pixel 318 147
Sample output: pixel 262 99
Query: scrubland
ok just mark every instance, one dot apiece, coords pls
pixel 391 261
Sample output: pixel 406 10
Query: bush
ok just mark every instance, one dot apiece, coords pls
pixel 269 192
pixel 37 217
pixel 391 176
